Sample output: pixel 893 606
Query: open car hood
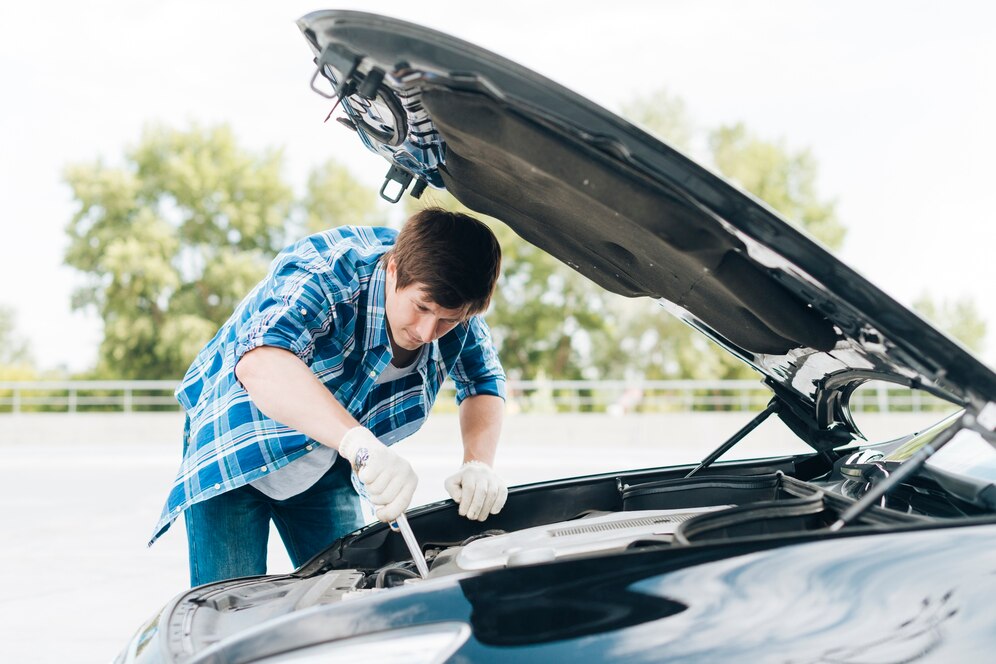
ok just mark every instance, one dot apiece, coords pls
pixel 633 215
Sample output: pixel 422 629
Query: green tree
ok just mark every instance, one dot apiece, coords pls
pixel 13 347
pixel 16 362
pixel 643 341
pixel 171 241
pixel 334 197
pixel 959 318
pixel 545 314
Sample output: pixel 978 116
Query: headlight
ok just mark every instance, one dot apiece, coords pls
pixel 423 644
pixel 135 651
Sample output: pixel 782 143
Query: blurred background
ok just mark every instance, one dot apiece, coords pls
pixel 155 155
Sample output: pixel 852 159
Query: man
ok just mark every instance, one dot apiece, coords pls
pixel 338 353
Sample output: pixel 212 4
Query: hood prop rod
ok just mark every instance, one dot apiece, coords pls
pixel 736 438
pixel 910 466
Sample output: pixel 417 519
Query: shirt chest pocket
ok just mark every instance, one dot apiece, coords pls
pixel 335 369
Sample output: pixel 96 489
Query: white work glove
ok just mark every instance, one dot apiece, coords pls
pixel 389 479
pixel 477 489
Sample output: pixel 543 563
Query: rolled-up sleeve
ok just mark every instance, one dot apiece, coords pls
pixel 477 369
pixel 291 309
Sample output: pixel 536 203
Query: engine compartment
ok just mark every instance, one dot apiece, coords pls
pixel 592 533
pixel 603 516
pixel 666 513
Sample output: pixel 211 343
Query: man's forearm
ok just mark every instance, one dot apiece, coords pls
pixel 285 389
pixel 480 427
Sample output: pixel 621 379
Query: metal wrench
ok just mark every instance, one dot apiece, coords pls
pixel 400 524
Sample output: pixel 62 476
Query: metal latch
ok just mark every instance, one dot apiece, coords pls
pixel 402 177
pixel 343 59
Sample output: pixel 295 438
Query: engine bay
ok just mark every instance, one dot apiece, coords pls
pixel 664 512
pixel 604 516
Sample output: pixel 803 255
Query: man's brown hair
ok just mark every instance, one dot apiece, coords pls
pixel 454 256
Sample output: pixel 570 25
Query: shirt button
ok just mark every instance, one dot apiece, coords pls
pixel 373 374
pixel 304 312
pixel 217 486
pixel 263 469
pixel 309 447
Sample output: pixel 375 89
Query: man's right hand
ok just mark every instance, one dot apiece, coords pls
pixel 389 479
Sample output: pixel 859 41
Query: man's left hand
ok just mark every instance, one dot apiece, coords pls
pixel 478 490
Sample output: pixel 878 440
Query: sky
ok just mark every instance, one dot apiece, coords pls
pixel 896 101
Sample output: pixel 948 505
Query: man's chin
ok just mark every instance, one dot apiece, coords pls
pixel 410 344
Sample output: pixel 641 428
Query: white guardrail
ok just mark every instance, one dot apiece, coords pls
pixel 527 396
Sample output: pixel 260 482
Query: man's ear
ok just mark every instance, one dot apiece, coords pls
pixel 392 273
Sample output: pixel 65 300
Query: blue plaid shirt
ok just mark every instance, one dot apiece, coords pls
pixel 323 300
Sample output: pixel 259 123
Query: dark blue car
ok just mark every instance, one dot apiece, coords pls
pixel 880 550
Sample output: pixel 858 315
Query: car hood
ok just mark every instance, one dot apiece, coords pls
pixel 695 604
pixel 633 215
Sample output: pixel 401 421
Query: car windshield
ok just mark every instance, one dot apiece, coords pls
pixel 968 455
pixel 966 466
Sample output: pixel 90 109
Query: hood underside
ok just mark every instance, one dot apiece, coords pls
pixel 633 215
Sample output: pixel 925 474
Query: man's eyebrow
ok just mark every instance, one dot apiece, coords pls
pixel 457 317
pixel 426 301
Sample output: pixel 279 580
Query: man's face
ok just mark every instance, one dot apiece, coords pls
pixel 412 318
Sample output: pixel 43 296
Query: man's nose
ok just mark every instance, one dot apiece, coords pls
pixel 426 328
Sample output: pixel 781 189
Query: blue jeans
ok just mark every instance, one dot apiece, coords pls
pixel 227 534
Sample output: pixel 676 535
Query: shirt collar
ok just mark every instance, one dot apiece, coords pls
pixel 376 326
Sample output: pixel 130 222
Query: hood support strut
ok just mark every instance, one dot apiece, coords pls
pixel 772 408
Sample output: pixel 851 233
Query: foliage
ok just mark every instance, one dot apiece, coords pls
pixel 172 240
pixel 959 318
pixel 13 348
pixel 334 197
pixel 642 341
pixel 16 362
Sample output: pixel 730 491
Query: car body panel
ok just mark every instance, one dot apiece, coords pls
pixel 879 598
